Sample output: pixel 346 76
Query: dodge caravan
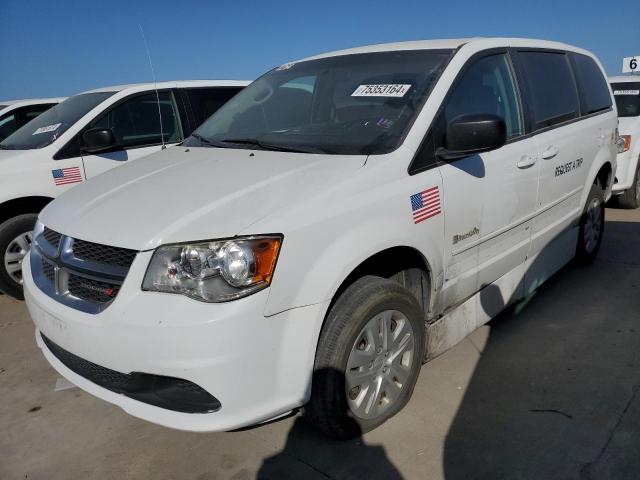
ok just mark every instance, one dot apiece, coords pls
pixel 83 136
pixel 342 220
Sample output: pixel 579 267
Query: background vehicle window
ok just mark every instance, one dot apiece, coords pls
pixel 136 123
pixel 206 101
pixel 627 95
pixel 592 86
pixel 553 93
pixel 46 128
pixel 25 114
pixel 487 86
pixel 8 125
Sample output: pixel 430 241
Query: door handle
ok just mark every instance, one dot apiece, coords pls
pixel 550 152
pixel 526 161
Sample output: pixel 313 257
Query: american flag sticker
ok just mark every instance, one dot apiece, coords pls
pixel 425 204
pixel 64 176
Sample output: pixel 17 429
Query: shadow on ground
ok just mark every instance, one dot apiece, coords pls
pixel 555 393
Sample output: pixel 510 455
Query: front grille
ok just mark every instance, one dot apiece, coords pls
pixel 49 270
pixel 52 237
pixel 104 254
pixel 166 392
pixel 92 290
pixel 83 275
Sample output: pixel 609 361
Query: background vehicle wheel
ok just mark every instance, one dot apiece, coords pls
pixel 15 241
pixel 631 198
pixel 591 226
pixel 368 358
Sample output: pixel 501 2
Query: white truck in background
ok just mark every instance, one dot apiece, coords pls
pixel 83 136
pixel 626 187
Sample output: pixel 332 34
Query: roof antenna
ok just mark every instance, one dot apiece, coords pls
pixel 155 84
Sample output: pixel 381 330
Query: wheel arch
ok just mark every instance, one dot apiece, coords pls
pixel 22 205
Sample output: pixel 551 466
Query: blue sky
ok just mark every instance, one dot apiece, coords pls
pixel 63 47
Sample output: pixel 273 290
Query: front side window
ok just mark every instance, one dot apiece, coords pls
pixel 351 104
pixel 136 121
pixel 553 93
pixel 592 86
pixel 46 128
pixel 627 95
pixel 487 87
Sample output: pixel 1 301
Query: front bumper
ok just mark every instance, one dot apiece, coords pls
pixel 257 367
pixel 625 172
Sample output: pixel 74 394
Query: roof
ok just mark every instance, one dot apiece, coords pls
pixel 31 101
pixel 450 44
pixel 172 84
pixel 625 78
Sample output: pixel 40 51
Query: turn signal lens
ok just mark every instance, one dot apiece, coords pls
pixel 623 143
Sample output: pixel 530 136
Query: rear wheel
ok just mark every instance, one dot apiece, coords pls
pixel 631 198
pixel 591 226
pixel 368 358
pixel 15 241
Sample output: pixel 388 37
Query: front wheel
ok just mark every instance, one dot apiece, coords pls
pixel 15 242
pixel 368 358
pixel 591 226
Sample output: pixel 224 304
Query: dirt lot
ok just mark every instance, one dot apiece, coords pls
pixel 549 389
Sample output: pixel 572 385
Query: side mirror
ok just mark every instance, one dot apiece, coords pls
pixel 98 140
pixel 470 134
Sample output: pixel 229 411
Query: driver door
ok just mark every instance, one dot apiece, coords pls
pixel 488 198
pixel 135 123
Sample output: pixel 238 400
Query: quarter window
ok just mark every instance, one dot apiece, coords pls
pixel 136 122
pixel 552 90
pixel 592 86
pixel 487 86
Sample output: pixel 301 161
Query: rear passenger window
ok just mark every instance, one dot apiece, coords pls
pixel 592 86
pixel 552 90
pixel 206 101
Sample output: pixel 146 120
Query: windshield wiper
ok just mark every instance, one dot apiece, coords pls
pixel 205 141
pixel 266 146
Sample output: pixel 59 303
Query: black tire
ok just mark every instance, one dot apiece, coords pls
pixel 631 198
pixel 328 409
pixel 9 230
pixel 587 251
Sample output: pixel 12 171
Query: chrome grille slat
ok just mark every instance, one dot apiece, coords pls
pixel 81 274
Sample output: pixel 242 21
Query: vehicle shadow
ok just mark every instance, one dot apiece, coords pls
pixel 555 393
pixel 308 454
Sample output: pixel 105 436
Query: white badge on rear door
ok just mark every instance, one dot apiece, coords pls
pixel 381 90
pixel 626 92
pixel 48 128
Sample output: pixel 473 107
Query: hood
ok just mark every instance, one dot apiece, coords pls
pixel 188 194
pixel 628 125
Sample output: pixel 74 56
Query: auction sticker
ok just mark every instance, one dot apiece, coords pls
pixel 381 90
pixel 48 128
pixel 626 92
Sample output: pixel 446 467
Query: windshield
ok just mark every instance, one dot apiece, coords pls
pixel 627 97
pixel 351 104
pixel 45 128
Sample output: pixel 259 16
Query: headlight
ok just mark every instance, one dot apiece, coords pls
pixel 215 271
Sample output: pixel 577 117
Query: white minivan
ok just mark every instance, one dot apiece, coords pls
pixel 342 220
pixel 16 113
pixel 626 185
pixel 84 136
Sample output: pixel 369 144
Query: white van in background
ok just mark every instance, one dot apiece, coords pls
pixel 626 187
pixel 16 113
pixel 84 136
pixel 338 222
